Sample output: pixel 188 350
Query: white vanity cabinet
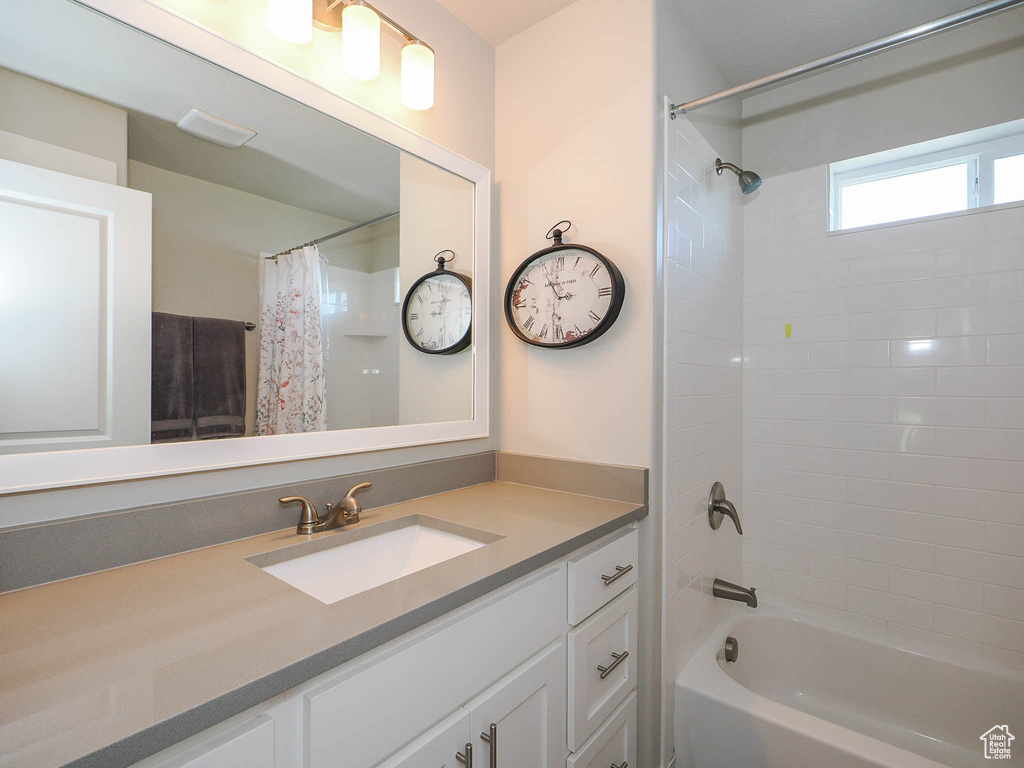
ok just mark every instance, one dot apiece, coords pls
pixel 523 715
pixel 512 660
pixel 443 746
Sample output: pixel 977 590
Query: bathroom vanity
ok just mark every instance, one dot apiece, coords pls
pixel 525 645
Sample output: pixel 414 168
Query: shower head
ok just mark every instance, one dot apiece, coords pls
pixel 749 181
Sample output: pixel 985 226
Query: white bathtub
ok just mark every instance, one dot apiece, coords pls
pixel 802 695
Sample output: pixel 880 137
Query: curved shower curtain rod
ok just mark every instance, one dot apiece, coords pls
pixel 966 16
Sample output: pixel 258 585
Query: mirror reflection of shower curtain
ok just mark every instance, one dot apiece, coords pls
pixel 291 392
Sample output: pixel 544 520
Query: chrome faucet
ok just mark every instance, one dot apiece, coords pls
pixel 719 507
pixel 730 591
pixel 345 512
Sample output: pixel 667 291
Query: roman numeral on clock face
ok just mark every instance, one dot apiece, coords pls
pixel 595 270
pixel 529 323
pixel 594 316
pixel 414 316
pixel 605 292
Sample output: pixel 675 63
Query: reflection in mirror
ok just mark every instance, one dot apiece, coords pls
pixel 199 257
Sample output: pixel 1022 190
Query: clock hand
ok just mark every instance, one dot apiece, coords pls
pixel 551 284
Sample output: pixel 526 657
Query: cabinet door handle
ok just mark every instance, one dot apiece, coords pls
pixel 619 658
pixel 491 739
pixel 466 758
pixel 620 571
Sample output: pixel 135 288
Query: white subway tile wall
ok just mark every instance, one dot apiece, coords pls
pixel 703 388
pixel 884 437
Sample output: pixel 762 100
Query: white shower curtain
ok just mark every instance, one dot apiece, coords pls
pixel 291 391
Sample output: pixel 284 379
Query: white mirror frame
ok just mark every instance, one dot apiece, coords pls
pixel 39 471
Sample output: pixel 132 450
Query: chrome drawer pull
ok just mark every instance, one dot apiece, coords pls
pixel 467 758
pixel 619 658
pixel 624 765
pixel 492 740
pixel 620 571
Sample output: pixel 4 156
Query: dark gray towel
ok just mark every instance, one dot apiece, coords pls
pixel 172 407
pixel 219 362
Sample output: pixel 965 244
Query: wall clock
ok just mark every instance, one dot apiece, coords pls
pixel 437 314
pixel 563 296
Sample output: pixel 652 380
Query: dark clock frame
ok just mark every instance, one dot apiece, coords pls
pixel 459 345
pixel 618 297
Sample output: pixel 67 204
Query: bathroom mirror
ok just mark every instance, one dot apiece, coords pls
pixel 197 261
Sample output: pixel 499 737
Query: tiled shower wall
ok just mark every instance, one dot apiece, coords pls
pixel 884 439
pixel 703 387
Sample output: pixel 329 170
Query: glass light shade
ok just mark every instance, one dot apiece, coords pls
pixel 291 20
pixel 417 76
pixel 360 42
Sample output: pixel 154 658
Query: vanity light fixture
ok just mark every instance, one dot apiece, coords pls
pixel 291 20
pixel 417 75
pixel 359 24
pixel 360 41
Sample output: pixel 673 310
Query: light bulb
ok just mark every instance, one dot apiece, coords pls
pixel 291 20
pixel 417 76
pixel 360 42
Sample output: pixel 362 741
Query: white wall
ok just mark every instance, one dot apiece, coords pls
pixel 703 394
pixel 437 214
pixel 575 140
pixel 362 330
pixel 207 240
pixel 47 113
pixel 885 439
pixel 362 327
pixel 700 312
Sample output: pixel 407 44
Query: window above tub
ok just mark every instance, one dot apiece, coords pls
pixel 943 176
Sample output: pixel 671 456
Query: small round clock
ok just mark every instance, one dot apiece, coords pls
pixel 437 314
pixel 563 296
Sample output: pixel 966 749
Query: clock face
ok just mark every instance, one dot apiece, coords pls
pixel 564 297
pixel 437 314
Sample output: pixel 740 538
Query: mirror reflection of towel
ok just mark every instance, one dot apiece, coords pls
pixel 172 402
pixel 219 364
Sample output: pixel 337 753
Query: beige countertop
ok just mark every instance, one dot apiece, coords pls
pixel 107 668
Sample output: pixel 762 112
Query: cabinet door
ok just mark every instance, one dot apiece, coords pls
pixel 437 748
pixel 527 711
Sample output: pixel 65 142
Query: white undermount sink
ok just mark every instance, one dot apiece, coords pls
pixel 353 566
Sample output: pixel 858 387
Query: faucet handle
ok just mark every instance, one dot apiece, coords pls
pixel 358 488
pixel 720 507
pixel 308 518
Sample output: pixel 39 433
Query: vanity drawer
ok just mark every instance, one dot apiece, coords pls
pixel 614 744
pixel 602 666
pixel 595 577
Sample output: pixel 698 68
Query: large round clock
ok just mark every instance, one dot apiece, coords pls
pixel 437 314
pixel 563 296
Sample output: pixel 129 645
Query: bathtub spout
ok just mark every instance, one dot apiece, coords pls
pixel 730 591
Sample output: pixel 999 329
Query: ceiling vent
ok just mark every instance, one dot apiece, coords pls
pixel 215 129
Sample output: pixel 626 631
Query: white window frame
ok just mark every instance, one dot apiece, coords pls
pixel 971 148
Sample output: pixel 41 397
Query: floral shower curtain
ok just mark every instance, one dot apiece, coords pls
pixel 291 391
